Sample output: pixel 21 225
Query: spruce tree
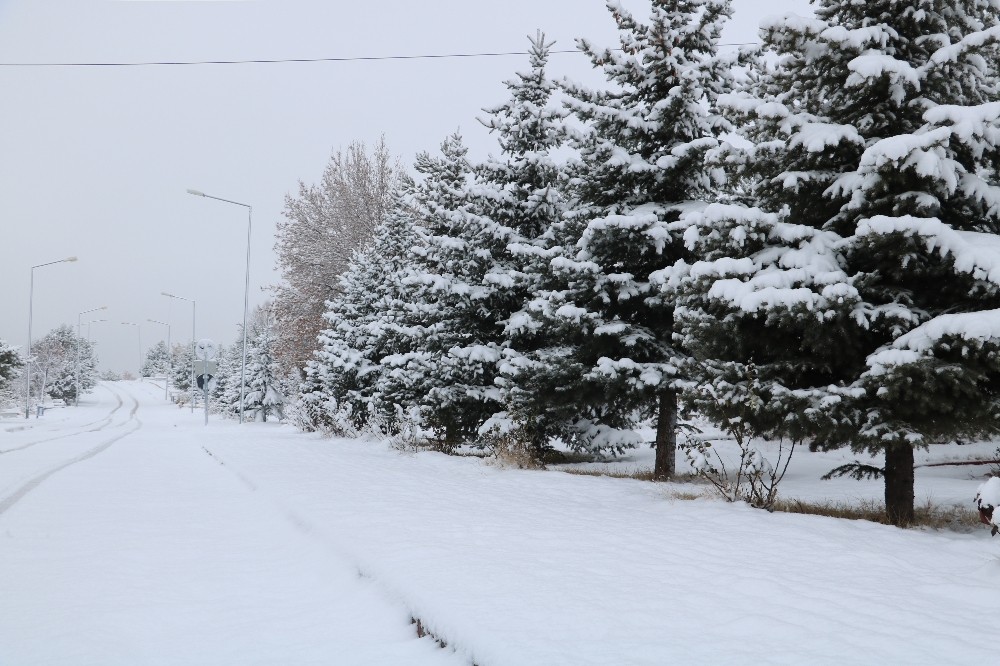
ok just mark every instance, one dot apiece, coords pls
pixel 263 395
pixel 604 357
pixel 58 357
pixel 226 392
pixel 363 327
pixel 157 361
pixel 444 291
pixel 10 369
pixel 520 195
pixel 849 303
pixel 182 358
pixel 10 363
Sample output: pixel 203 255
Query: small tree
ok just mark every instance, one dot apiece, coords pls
pixel 10 369
pixel 158 361
pixel 182 359
pixel 263 392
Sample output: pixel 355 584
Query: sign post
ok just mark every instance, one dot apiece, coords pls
pixel 205 368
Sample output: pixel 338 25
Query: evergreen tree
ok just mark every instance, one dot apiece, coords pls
pixel 58 357
pixel 363 326
pixel 605 357
pixel 442 292
pixel 183 374
pixel 263 395
pixel 157 361
pixel 10 369
pixel 226 392
pixel 521 196
pixel 852 302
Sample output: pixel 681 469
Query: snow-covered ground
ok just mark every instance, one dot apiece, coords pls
pixel 168 542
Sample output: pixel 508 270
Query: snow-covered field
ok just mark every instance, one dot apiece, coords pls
pixel 132 534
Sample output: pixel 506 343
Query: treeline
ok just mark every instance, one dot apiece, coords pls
pixel 798 237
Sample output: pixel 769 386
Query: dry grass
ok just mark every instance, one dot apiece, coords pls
pixel 686 495
pixel 640 474
pixel 928 515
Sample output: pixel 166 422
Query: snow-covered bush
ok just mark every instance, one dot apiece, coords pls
pixel 987 500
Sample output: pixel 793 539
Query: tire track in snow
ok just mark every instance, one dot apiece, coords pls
pixel 104 422
pixel 36 481
pixel 306 528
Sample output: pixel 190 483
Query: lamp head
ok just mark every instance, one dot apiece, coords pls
pixel 195 192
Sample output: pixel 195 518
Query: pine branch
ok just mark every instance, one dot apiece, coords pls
pixel 856 470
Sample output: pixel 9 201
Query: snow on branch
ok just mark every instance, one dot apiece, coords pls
pixel 968 123
pixel 971 42
pixel 975 253
pixel 874 65
pixel 817 137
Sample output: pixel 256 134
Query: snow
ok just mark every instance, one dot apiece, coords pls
pixel 254 544
pixel 875 65
pixel 817 137
pixel 975 40
pixel 988 493
pixel 973 252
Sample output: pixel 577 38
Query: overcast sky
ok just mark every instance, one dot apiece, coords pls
pixel 95 161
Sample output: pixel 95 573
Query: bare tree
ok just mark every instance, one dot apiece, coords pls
pixel 323 225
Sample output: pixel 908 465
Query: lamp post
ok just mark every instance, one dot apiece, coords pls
pixel 138 329
pixel 246 288
pixel 194 312
pixel 31 301
pixel 166 380
pixel 79 341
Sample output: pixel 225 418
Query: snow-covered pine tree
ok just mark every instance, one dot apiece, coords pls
pixel 521 196
pixel 263 393
pixel 610 359
pixel 182 358
pixel 854 303
pixel 363 327
pixel 55 365
pixel 226 390
pixel 444 294
pixel 157 361
pixel 10 369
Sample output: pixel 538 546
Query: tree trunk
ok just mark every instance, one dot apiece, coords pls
pixel 899 484
pixel 666 437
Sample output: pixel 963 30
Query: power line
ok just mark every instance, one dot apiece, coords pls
pixel 278 61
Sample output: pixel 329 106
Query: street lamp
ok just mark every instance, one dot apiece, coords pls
pixel 79 340
pixel 166 380
pixel 246 288
pixel 138 329
pixel 31 301
pixel 194 312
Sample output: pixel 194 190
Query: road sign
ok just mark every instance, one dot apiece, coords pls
pixel 206 382
pixel 205 349
pixel 206 367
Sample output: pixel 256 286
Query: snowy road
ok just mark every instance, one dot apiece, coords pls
pixel 123 542
pixel 132 534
